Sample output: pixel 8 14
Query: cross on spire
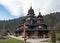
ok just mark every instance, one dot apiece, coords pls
pixel 39 12
pixel 30 4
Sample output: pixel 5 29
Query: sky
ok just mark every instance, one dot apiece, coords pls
pixel 10 9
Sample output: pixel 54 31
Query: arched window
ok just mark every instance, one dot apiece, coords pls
pixel 38 21
pixel 28 18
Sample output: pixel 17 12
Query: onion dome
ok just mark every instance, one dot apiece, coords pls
pixel 30 11
pixel 39 16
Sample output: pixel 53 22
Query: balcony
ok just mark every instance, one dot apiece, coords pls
pixel 38 29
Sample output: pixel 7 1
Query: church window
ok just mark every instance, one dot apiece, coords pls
pixel 40 26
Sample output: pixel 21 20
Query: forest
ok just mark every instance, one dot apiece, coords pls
pixel 52 20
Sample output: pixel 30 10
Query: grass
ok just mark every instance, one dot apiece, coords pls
pixel 11 40
pixel 58 36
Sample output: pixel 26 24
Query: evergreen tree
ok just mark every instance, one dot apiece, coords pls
pixel 53 36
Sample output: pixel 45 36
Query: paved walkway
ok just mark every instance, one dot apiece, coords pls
pixel 30 40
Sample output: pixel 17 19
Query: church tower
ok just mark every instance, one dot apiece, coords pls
pixel 35 26
pixel 31 11
pixel 40 18
pixel 31 16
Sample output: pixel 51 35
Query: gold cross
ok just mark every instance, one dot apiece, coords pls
pixel 30 4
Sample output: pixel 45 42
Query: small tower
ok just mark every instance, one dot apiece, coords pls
pixel 31 16
pixel 30 11
pixel 39 18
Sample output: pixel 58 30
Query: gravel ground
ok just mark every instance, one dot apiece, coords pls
pixel 30 40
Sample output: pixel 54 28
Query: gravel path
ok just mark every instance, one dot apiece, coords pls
pixel 30 40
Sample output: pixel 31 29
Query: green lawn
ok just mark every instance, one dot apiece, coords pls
pixel 58 36
pixel 11 40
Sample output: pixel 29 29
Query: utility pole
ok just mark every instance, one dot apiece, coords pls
pixel 24 33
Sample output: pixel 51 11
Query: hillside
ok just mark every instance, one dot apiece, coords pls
pixel 52 19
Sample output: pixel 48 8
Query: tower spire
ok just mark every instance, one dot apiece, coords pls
pixel 31 11
pixel 30 4
pixel 39 12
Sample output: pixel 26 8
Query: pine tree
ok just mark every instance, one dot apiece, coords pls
pixel 53 36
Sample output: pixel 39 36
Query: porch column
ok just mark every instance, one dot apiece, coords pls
pixel 48 34
pixel 44 35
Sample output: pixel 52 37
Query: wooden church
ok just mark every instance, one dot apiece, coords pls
pixel 33 26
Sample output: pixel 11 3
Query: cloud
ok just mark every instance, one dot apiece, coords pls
pixel 18 7
pixel 5 14
pixel 43 5
pixel 14 6
pixel 53 7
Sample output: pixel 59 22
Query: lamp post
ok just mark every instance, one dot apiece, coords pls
pixel 24 33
